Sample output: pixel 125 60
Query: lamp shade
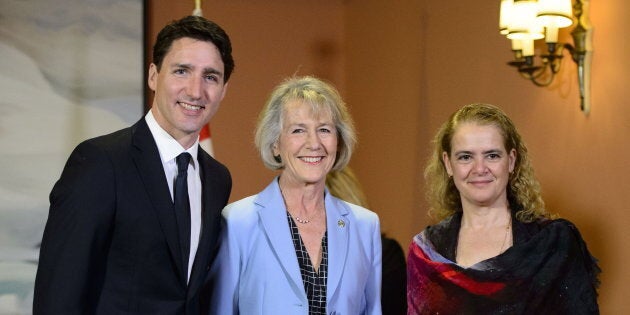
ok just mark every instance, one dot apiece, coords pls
pixel 555 13
pixel 522 22
pixel 517 44
pixel 504 16
pixel 527 47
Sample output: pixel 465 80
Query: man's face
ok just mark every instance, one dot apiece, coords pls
pixel 188 88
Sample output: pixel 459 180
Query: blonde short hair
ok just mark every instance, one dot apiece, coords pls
pixel 321 96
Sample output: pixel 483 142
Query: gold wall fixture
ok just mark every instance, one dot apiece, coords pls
pixel 524 21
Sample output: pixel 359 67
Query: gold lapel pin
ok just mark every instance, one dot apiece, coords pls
pixel 340 223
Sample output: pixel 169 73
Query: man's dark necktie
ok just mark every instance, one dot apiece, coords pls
pixel 182 206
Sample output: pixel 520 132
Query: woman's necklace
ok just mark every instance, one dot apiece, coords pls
pixel 303 221
pixel 296 218
pixel 505 237
pixel 507 230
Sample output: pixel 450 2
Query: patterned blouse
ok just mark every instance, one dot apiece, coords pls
pixel 314 282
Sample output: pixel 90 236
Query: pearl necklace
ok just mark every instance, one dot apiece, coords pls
pixel 305 221
pixel 300 220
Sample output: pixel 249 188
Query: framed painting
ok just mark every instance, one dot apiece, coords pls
pixel 70 70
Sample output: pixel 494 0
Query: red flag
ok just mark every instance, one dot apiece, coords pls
pixel 205 140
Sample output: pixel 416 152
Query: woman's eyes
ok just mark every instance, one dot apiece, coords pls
pixel 469 157
pixel 322 130
pixel 464 157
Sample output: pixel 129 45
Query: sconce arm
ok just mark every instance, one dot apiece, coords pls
pixel 578 52
pixel 581 53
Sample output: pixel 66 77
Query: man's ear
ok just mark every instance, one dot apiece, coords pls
pixel 152 79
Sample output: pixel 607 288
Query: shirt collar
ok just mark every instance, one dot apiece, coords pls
pixel 168 147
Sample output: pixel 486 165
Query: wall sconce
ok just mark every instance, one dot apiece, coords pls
pixel 524 21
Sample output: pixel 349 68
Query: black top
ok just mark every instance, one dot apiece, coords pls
pixel 394 287
pixel 314 282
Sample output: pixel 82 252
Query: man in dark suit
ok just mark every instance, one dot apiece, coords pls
pixel 115 241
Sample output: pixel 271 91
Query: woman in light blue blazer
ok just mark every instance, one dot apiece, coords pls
pixel 293 248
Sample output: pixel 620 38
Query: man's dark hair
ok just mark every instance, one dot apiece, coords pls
pixel 199 28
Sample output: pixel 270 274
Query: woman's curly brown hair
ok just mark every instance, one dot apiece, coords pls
pixel 523 190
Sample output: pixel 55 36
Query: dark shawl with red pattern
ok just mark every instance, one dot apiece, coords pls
pixel 548 270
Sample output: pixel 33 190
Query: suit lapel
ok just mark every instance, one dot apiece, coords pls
pixel 272 212
pixel 337 225
pixel 147 159
pixel 210 220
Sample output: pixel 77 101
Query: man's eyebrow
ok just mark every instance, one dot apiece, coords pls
pixel 212 71
pixel 182 65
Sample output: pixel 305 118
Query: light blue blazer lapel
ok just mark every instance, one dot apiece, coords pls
pixel 337 225
pixel 272 212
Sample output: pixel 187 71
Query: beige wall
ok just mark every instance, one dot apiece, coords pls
pixel 385 82
pixel 271 40
pixel 403 68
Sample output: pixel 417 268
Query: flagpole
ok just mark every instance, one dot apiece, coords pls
pixel 205 136
pixel 197 10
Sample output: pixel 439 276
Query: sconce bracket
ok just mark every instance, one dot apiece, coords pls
pixel 580 51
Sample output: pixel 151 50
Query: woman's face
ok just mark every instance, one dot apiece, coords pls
pixel 480 165
pixel 307 144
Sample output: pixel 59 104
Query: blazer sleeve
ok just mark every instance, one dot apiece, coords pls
pixel 77 235
pixel 373 287
pixel 225 271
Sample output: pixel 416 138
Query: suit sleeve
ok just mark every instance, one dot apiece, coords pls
pixel 77 235
pixel 225 273
pixel 373 288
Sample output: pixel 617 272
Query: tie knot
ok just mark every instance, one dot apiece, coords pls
pixel 182 162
